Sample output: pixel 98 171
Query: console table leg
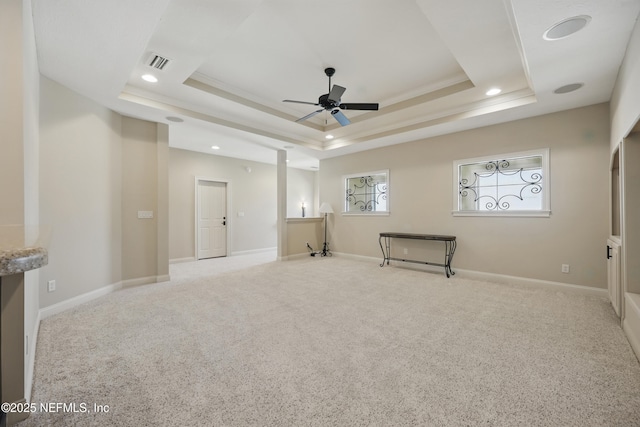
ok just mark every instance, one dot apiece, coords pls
pixel 387 255
pixel 450 248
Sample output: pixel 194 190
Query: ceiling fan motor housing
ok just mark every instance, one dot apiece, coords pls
pixel 326 103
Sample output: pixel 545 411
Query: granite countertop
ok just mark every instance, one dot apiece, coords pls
pixel 21 249
pixel 14 261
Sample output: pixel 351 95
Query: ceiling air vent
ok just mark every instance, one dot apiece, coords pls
pixel 158 62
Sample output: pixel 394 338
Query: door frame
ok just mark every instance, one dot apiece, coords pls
pixel 228 209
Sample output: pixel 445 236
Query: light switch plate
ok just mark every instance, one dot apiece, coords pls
pixel 145 214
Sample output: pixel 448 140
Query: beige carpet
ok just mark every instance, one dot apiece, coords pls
pixel 336 342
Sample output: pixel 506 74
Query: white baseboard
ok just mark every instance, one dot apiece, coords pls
pixel 75 301
pixel 631 322
pixel 488 277
pixel 130 283
pixel 179 260
pixel 526 281
pixel 253 251
pixel 296 256
pixel 357 257
pixel 235 253
pixel 49 311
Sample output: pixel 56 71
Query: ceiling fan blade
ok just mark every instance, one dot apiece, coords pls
pixel 300 102
pixel 302 119
pixel 359 106
pixel 341 118
pixel 336 93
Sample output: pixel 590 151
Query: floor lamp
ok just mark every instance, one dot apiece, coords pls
pixel 325 208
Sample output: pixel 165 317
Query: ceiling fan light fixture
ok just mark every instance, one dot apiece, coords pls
pixel 566 27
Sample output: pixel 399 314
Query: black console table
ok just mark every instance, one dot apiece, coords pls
pixel 449 248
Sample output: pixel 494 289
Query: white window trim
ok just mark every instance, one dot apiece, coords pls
pixel 364 213
pixel 545 212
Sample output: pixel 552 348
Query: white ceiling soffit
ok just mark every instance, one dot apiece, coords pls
pixel 90 46
pixel 428 63
pixel 236 61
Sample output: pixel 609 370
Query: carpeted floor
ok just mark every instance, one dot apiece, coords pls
pixel 336 342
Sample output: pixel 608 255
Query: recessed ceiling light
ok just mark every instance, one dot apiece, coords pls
pixel 493 91
pixel 329 136
pixel 568 88
pixel 215 147
pixel 566 27
pixel 150 78
pixel 175 119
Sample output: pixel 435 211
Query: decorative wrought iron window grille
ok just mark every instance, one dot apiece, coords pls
pixel 515 183
pixel 367 193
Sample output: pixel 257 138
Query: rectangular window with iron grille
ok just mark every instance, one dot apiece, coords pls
pixel 367 193
pixel 515 184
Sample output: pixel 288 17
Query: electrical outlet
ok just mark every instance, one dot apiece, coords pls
pixel 565 268
pixel 51 285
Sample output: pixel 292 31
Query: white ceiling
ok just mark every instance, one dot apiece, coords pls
pixel 428 63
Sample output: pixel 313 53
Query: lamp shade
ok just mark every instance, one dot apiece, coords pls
pixel 325 208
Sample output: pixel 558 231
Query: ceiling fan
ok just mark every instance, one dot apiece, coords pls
pixel 331 102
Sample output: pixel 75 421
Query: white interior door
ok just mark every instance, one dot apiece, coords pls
pixel 613 275
pixel 212 219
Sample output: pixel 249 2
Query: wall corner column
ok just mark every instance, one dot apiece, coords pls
pixel 283 250
pixel 163 203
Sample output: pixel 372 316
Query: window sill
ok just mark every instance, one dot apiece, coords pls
pixel 365 213
pixel 305 219
pixel 522 214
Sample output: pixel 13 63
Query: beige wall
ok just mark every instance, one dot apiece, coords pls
pixel 80 193
pixel 302 231
pixel 252 193
pixel 631 224
pixel 301 185
pixel 162 209
pixel 139 193
pixel 421 198
pixel 98 169
pixel 625 113
pixel 12 86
